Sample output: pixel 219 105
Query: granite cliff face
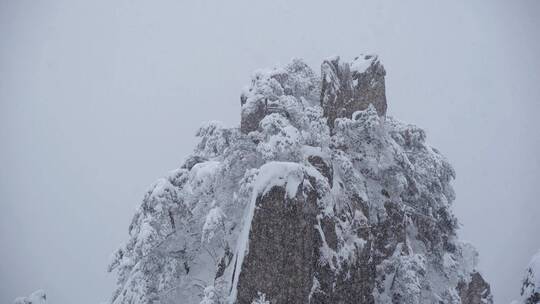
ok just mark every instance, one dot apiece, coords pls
pixel 318 197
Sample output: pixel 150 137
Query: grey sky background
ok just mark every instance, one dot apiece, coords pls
pixel 100 98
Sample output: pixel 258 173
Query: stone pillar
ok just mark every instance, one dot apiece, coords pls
pixel 351 86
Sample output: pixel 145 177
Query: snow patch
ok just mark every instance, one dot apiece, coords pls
pixel 213 223
pixel 203 171
pixel 284 174
pixel 315 287
pixel 361 64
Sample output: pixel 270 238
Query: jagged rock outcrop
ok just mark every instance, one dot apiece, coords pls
pixel 37 297
pixel 350 87
pixel 345 88
pixel 318 197
pixel 530 289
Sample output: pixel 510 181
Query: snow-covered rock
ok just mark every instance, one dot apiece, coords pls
pixel 318 197
pixel 279 90
pixel 530 290
pixel 37 297
pixel 348 87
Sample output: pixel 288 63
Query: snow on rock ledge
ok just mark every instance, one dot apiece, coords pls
pixel 37 297
pixel 279 174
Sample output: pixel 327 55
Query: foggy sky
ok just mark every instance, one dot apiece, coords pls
pixel 100 98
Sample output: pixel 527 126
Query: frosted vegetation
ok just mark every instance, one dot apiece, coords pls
pixel 190 234
pixel 530 290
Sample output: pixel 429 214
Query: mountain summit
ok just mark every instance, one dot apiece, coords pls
pixel 318 197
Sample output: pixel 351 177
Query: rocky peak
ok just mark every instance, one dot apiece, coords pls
pixel 530 288
pixel 348 87
pixel 342 89
pixel 318 198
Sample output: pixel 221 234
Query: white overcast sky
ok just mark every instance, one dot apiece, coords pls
pixel 100 98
